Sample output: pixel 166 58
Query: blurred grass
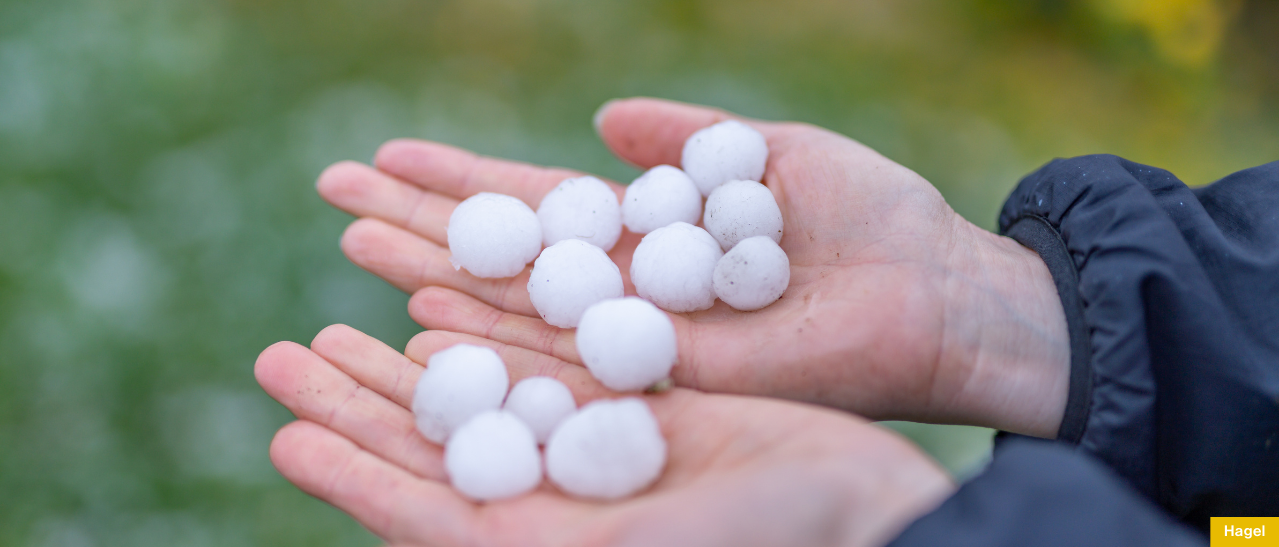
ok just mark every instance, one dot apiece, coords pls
pixel 158 226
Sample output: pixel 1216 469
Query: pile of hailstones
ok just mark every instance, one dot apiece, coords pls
pixel 608 449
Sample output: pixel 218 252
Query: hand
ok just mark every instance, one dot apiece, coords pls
pixel 740 471
pixel 897 308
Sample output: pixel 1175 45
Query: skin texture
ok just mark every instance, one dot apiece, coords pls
pixel 741 470
pixel 897 308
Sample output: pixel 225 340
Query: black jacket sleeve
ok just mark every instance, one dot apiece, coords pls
pixel 1172 301
pixel 1043 494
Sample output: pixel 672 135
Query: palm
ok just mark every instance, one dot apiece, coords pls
pixel 860 325
pixel 740 470
pixel 871 246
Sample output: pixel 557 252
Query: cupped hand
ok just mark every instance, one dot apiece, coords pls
pixel 740 470
pixel 898 308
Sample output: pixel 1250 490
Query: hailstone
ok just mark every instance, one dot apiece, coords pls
pixel 673 265
pixel 627 343
pixel 740 209
pixel 458 383
pixel 542 402
pixel 607 450
pixel 493 456
pixel 753 274
pixel 569 277
pixel 659 197
pixel 725 151
pixel 492 235
pixel 582 208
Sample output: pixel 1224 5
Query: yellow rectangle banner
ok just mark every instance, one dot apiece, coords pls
pixel 1244 532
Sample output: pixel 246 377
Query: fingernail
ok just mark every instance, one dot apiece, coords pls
pixel 598 118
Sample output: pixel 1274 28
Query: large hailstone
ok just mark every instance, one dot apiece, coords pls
pixel 740 209
pixel 627 343
pixel 673 265
pixel 492 235
pixel 753 274
pixel 582 208
pixel 661 196
pixel 493 456
pixel 607 450
pixel 725 151
pixel 542 402
pixel 458 383
pixel 569 277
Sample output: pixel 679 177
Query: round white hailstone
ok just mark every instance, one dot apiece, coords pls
pixel 569 277
pixel 627 343
pixel 752 275
pixel 672 268
pixel 493 456
pixel 542 402
pixel 659 197
pixel 458 383
pixel 607 450
pixel 492 235
pixel 725 151
pixel 740 209
pixel 582 208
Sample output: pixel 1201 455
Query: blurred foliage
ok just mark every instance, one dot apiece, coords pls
pixel 158 226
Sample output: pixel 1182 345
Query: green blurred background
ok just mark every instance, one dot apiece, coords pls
pixel 159 227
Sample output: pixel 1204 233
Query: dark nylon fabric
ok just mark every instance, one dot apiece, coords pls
pixel 1043 494
pixel 1180 294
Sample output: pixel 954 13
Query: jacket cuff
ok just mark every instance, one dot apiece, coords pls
pixel 1179 290
pixel 1040 236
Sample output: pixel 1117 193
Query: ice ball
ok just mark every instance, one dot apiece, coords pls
pixel 582 208
pixel 493 456
pixel 725 151
pixel 542 402
pixel 627 343
pixel 607 450
pixel 673 265
pixel 661 196
pixel 740 209
pixel 458 383
pixel 569 277
pixel 753 274
pixel 492 235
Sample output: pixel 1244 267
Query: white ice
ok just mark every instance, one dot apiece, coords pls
pixel 582 208
pixel 493 235
pixel 542 402
pixel 627 343
pixel 458 383
pixel 607 450
pixel 740 209
pixel 753 274
pixel 673 265
pixel 493 456
pixel 729 150
pixel 661 196
pixel 568 277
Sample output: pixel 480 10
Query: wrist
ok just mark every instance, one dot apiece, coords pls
pixel 1005 335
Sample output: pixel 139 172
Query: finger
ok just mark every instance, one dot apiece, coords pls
pixel 369 362
pixel 650 132
pixel 314 390
pixel 391 502
pixel 366 192
pixel 447 309
pixel 520 362
pixel 410 262
pixel 461 174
